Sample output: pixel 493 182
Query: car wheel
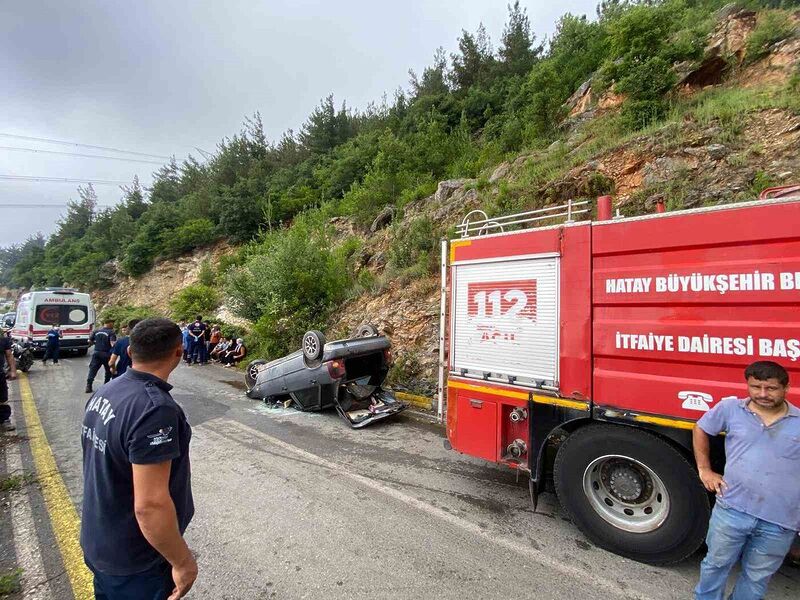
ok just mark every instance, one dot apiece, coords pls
pixel 367 330
pixel 82 352
pixel 253 369
pixel 632 493
pixel 313 345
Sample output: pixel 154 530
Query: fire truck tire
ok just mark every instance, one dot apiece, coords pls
pixel 632 493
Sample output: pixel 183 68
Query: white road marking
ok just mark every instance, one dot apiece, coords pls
pixel 239 431
pixel 26 542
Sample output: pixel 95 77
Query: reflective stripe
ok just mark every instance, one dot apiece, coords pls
pixel 537 399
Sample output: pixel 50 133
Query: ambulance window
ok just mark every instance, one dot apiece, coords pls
pixel 57 314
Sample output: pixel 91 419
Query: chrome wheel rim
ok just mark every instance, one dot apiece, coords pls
pixel 254 371
pixel 311 346
pixel 626 493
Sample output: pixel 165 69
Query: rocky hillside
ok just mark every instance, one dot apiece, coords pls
pixel 156 288
pixel 733 129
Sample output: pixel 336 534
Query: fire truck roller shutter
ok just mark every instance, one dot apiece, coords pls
pixel 505 319
pixel 632 493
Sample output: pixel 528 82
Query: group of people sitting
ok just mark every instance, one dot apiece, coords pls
pixel 203 342
pixel 229 351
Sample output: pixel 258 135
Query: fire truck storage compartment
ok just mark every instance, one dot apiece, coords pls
pixel 477 426
pixel 505 320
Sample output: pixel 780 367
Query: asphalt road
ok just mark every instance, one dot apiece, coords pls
pixel 298 505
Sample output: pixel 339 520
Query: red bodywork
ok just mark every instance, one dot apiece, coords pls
pixel 658 316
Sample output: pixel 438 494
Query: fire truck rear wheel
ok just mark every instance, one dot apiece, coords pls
pixel 632 493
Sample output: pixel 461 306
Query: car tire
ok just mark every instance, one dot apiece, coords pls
pixel 367 330
pixel 252 371
pixel 83 352
pixel 313 346
pixel 632 492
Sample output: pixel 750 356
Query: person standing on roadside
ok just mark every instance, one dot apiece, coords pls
pixel 137 482
pixel 757 512
pixel 120 360
pixel 6 356
pixel 197 332
pixel 186 341
pixel 103 340
pixel 53 344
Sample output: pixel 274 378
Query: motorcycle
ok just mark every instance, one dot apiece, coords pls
pixel 23 355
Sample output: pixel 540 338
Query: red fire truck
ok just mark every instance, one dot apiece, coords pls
pixel 582 353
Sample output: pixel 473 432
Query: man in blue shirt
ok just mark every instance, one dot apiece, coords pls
pixel 120 361
pixel 53 344
pixel 757 512
pixel 103 340
pixel 137 496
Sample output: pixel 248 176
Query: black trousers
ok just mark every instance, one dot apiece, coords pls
pixel 99 359
pixel 52 352
pixel 5 409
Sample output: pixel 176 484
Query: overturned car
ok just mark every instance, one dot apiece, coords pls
pixel 346 374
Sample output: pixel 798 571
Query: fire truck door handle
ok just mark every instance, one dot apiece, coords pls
pixel 476 403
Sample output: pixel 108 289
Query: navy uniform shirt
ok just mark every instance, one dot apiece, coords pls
pixel 130 420
pixel 121 350
pixel 198 328
pixel 5 344
pixel 103 339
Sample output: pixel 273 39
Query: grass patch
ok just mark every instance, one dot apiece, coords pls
pixel 10 582
pixel 16 482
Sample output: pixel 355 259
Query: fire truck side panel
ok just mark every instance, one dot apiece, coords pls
pixel 484 408
pixel 674 305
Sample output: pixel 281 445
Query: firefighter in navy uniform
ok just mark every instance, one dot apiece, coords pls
pixel 103 340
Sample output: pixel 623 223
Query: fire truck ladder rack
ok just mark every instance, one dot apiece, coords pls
pixel 486 225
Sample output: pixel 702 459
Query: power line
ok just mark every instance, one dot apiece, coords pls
pixel 136 160
pixel 16 205
pixel 63 180
pixel 65 143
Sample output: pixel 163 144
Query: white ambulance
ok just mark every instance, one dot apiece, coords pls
pixel 37 312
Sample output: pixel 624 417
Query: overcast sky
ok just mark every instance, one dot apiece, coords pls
pixel 164 78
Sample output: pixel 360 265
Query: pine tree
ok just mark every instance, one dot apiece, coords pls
pixel 474 61
pixel 517 53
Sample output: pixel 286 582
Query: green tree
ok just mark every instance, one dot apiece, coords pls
pixel 326 128
pixel 474 62
pixel 517 52
pixel 434 78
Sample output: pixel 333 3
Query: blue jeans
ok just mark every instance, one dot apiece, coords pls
pixel 153 584
pixel 732 535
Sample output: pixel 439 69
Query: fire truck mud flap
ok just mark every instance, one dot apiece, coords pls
pixel 361 405
pixel 632 493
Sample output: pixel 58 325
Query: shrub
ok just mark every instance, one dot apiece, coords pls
pixel 197 299
pixel 190 235
pixel 122 313
pixel 412 242
pixel 289 284
pixel 772 27
pixel 206 276
pixel 138 258
pixel 760 182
